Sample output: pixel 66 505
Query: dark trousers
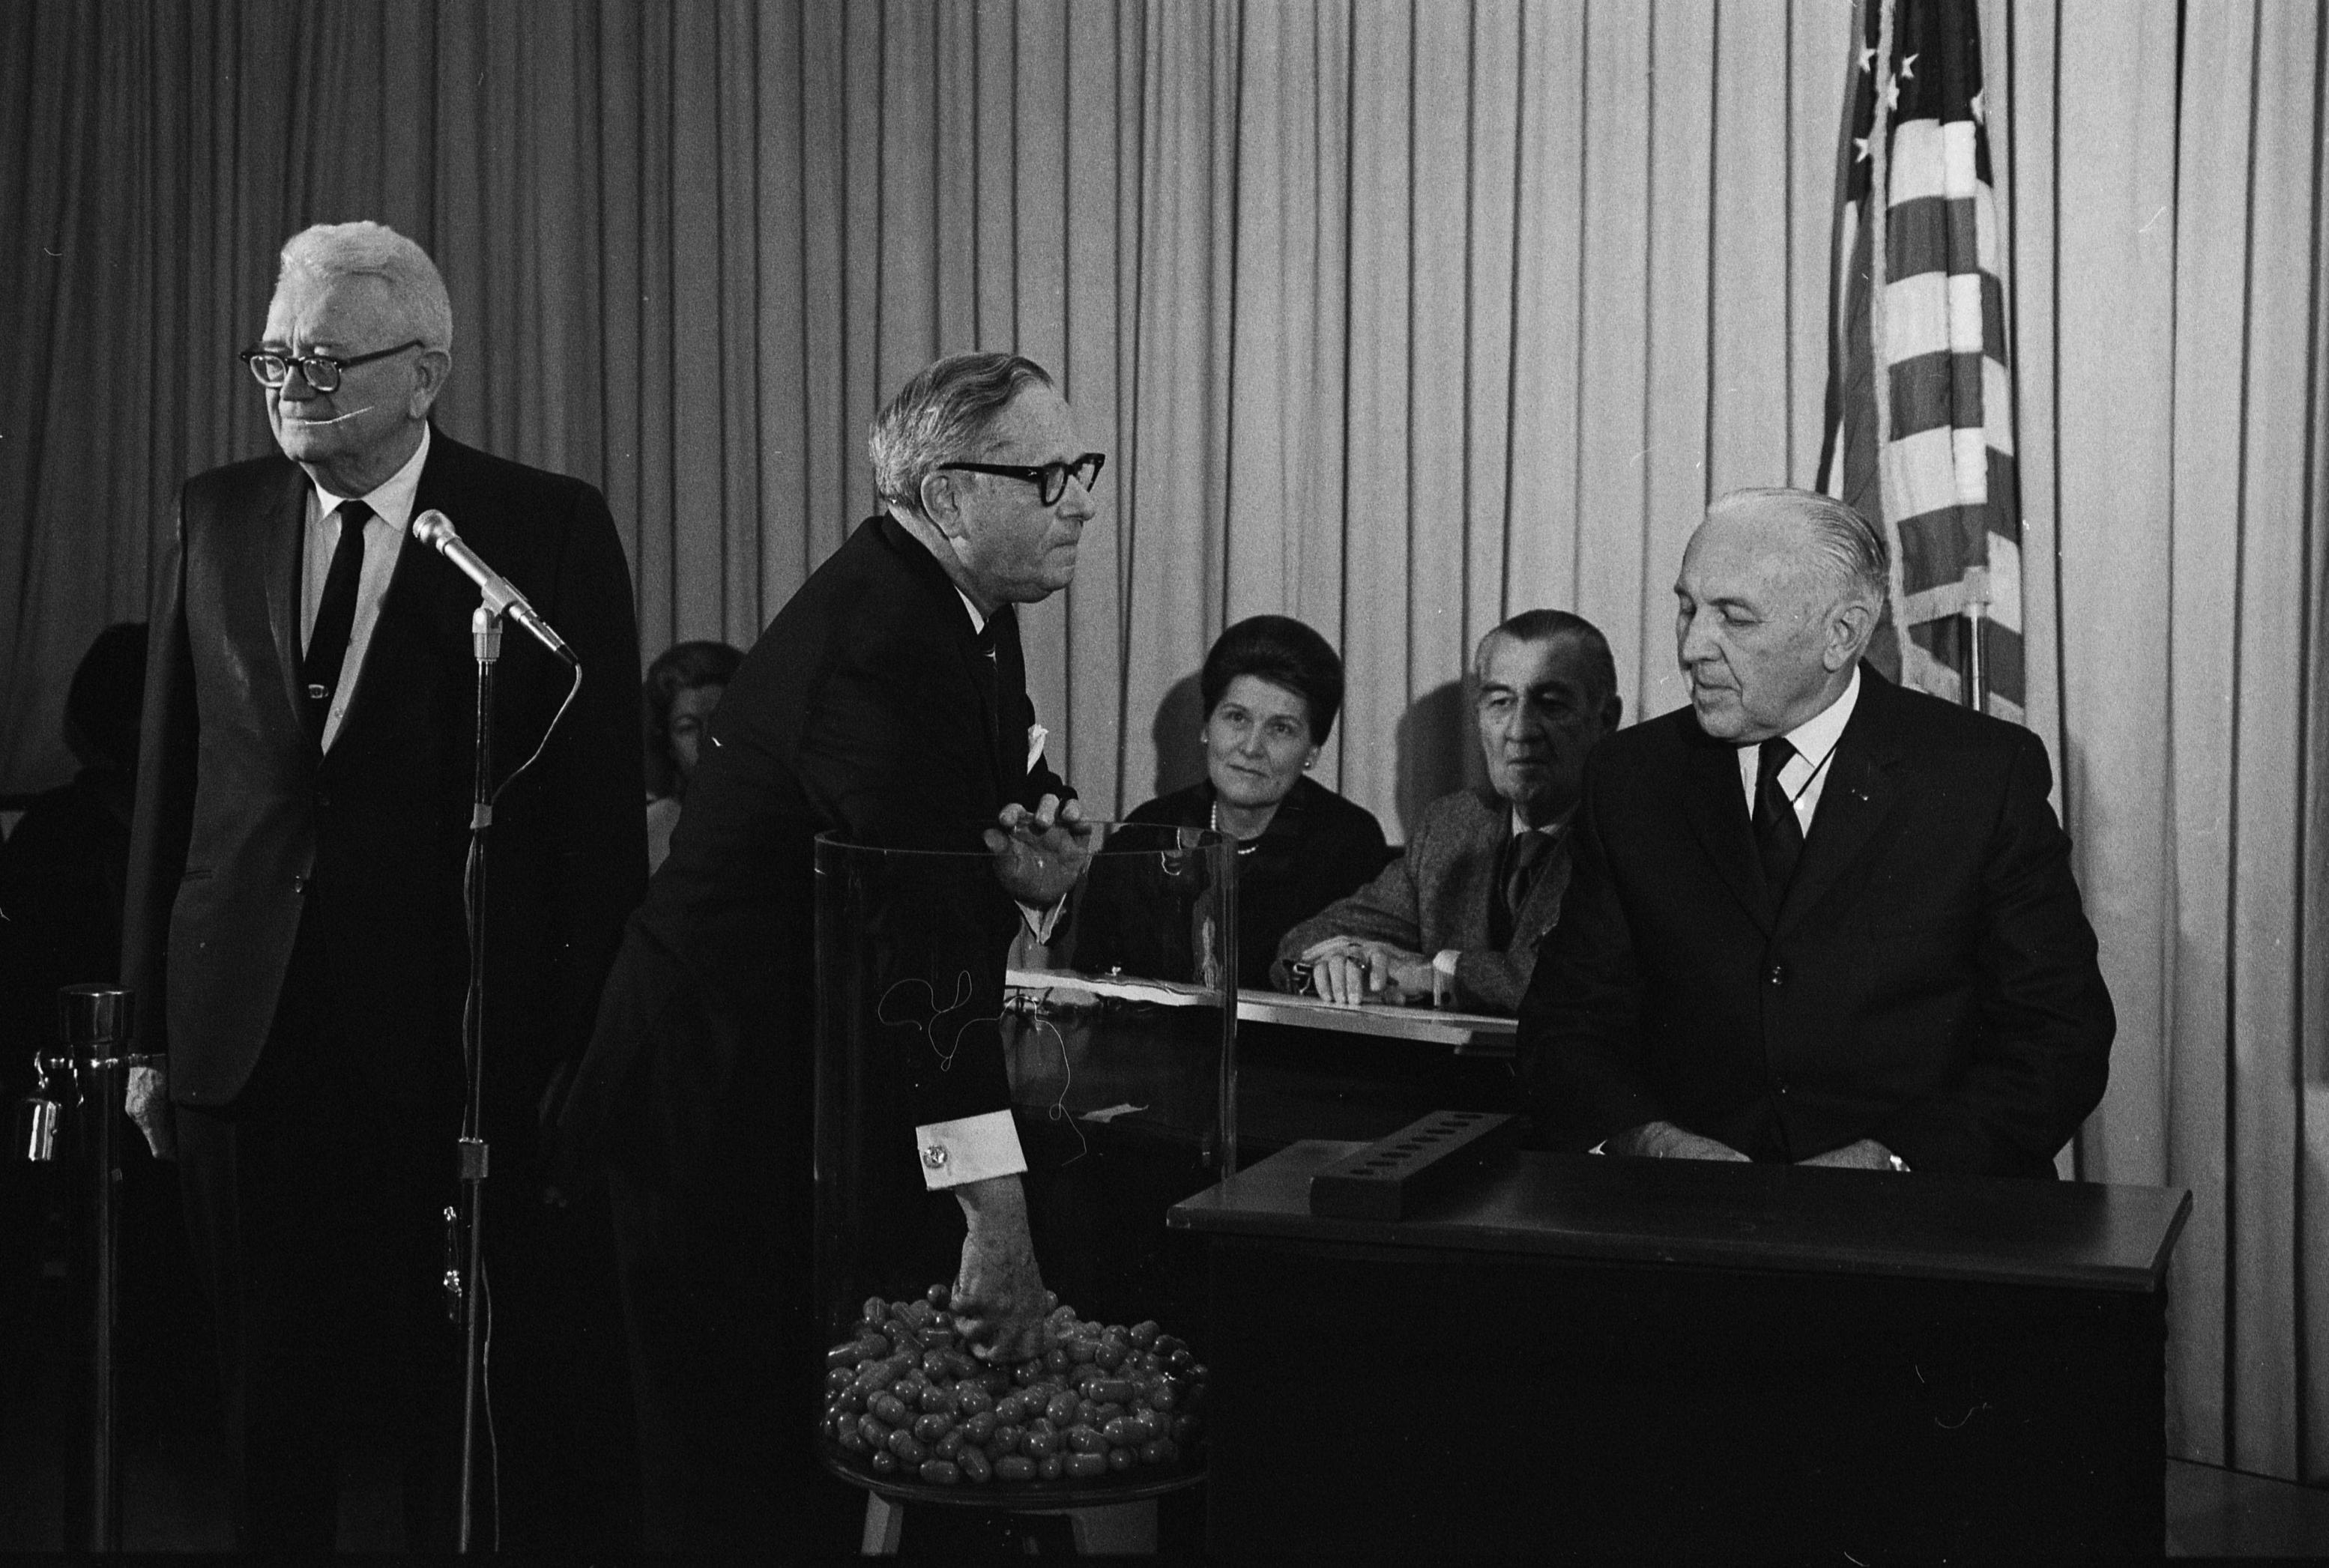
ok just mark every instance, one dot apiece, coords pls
pixel 313 1204
pixel 564 1477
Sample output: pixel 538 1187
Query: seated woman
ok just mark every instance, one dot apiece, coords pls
pixel 1271 688
pixel 682 685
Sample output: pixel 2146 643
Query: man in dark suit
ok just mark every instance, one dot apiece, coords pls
pixel 1460 914
pixel 1815 917
pixel 886 702
pixel 295 928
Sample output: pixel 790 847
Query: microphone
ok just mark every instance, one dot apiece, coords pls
pixel 501 596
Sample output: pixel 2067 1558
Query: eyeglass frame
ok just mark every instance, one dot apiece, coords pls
pixel 301 362
pixel 1036 474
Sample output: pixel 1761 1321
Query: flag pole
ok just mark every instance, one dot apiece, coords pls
pixel 1976 610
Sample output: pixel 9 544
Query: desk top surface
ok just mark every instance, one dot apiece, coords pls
pixel 1780 1218
pixel 1467 1033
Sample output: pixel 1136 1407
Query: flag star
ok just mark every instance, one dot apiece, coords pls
pixel 1892 92
pixel 1867 58
pixel 1980 110
pixel 1909 67
pixel 1861 155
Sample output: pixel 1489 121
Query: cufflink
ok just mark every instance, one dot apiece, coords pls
pixel 934 1156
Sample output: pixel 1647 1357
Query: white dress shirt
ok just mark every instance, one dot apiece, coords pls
pixel 383 537
pixel 1804 778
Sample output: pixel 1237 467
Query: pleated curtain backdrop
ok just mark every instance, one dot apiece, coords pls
pixel 1395 317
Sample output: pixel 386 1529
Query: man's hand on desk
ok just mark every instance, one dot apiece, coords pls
pixel 998 1299
pixel 1664 1140
pixel 1352 969
pixel 1039 854
pixel 1865 1155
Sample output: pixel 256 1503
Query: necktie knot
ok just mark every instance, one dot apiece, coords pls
pixel 1773 755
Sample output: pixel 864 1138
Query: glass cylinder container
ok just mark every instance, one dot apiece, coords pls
pixel 1101 1038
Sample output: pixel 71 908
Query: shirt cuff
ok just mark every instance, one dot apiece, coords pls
pixel 1040 922
pixel 1443 961
pixel 969 1149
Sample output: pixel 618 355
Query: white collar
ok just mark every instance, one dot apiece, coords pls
pixel 391 501
pixel 1817 737
pixel 1551 829
pixel 977 621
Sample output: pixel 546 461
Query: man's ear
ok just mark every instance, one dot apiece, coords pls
pixel 1850 627
pixel 1613 714
pixel 430 371
pixel 937 498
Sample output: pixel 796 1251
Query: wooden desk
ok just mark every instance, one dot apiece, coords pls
pixel 1620 1358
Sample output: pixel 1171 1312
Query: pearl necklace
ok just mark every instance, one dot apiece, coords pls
pixel 1213 822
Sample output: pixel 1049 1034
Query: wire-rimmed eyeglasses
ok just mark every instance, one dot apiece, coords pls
pixel 321 370
pixel 1050 479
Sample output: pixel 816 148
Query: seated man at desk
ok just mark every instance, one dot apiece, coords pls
pixel 1460 914
pixel 1815 917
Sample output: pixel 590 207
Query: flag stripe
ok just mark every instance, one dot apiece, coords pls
pixel 1935 392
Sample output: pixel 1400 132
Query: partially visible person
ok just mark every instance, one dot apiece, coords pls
pixel 65 869
pixel 1815 917
pixel 1271 688
pixel 294 926
pixel 682 688
pixel 62 872
pixel 1459 915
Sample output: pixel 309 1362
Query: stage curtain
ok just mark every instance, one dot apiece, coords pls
pixel 2172 281
pixel 1395 317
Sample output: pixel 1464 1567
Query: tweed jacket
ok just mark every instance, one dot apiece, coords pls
pixel 1441 894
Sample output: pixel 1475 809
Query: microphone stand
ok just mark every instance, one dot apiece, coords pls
pixel 464 1297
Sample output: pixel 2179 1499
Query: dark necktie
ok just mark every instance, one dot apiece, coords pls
pixel 1779 836
pixel 1529 850
pixel 327 645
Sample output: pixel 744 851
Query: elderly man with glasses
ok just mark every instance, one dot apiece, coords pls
pixel 888 702
pixel 294 926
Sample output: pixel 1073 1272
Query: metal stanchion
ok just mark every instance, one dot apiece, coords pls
pixel 79 1099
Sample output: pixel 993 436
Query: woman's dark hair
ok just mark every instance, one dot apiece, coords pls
pixel 1284 651
pixel 682 667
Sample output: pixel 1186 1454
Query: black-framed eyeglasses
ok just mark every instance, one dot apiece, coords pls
pixel 322 370
pixel 1051 480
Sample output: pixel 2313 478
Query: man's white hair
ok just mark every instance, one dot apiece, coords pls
pixel 416 293
pixel 1853 551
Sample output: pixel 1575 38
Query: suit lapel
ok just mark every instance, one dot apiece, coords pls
pixel 282 536
pixel 1717 809
pixel 1859 795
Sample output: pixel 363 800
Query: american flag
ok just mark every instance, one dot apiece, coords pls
pixel 1917 291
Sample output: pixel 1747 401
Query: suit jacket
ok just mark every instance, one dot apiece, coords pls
pixel 1443 893
pixel 1929 981
pixel 860 711
pixel 244 828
